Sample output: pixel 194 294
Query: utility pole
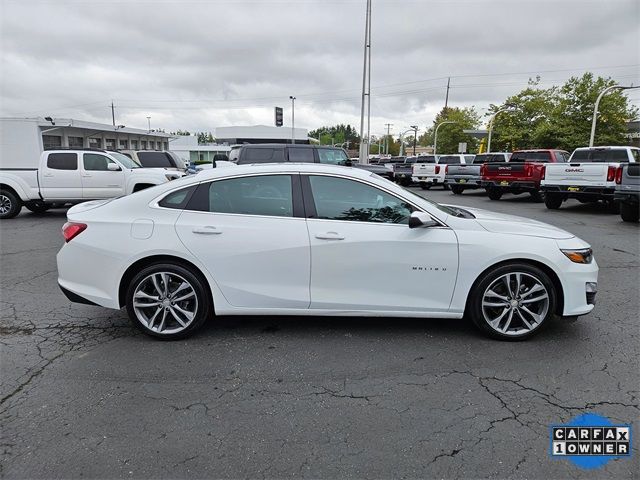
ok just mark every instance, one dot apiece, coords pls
pixel 149 123
pixel 415 137
pixel 366 88
pixel 113 114
pixel 293 119
pixel 446 99
pixel 386 140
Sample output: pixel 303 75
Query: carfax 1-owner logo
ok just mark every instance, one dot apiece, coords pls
pixel 590 441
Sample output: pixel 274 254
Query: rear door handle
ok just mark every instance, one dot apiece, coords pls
pixel 208 230
pixel 329 236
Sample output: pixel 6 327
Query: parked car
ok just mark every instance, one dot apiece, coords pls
pixel 589 176
pixel 521 174
pixel 428 174
pixel 310 239
pixel 467 176
pixel 280 153
pixel 627 193
pixel 157 159
pixel 71 176
pixel 402 171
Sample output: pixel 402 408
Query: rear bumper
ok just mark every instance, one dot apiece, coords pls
pixel 427 179
pixel 522 185
pixel 467 182
pixel 579 190
pixel 75 298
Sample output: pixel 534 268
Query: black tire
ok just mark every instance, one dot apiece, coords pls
pixel 405 182
pixel 629 212
pixel 425 186
pixel 494 193
pixel 37 207
pixel 197 283
pixel 445 186
pixel 553 201
pixel 476 313
pixel 10 204
pixel 457 189
pixel 612 207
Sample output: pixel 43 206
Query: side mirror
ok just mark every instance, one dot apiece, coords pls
pixel 421 220
pixel 113 167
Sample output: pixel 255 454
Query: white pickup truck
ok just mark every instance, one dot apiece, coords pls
pixel 589 176
pixel 71 176
pixel 429 174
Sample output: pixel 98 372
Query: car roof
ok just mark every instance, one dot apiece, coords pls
pixel 288 145
pixel 540 150
pixel 286 167
pixel 612 147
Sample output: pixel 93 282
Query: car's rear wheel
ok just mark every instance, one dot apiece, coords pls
pixel 553 201
pixel 10 204
pixel 425 186
pixel 612 207
pixel 168 301
pixel 445 186
pixel 457 189
pixel 494 193
pixel 629 212
pixel 512 302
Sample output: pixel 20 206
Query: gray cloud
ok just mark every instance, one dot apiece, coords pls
pixel 202 64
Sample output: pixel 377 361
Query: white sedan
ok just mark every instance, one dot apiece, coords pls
pixel 310 239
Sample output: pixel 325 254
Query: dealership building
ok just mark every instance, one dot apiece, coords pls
pixel 260 134
pixel 71 133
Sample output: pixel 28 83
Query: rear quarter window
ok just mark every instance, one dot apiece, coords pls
pixel 263 155
pixel 177 199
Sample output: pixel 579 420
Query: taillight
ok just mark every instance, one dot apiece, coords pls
pixel 437 169
pixel 543 171
pixel 483 169
pixel 619 175
pixel 611 173
pixel 71 230
pixel 446 169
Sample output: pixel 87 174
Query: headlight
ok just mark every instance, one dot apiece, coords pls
pixel 584 255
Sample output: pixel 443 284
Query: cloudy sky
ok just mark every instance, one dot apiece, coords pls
pixel 200 64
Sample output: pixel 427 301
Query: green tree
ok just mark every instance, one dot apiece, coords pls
pixel 450 135
pixel 571 119
pixel 336 134
pixel 525 123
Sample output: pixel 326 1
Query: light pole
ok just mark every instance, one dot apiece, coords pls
pixel 149 123
pixel 293 118
pixel 493 118
pixel 435 135
pixel 415 137
pixel 595 108
pixel 402 140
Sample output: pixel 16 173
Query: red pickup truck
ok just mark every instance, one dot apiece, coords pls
pixel 522 173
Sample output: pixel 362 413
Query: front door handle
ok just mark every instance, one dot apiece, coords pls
pixel 329 236
pixel 208 230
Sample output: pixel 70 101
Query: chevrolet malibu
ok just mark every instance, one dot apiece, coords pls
pixel 309 239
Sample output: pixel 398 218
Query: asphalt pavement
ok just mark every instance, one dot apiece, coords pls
pixel 84 394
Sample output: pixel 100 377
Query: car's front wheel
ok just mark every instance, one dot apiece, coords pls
pixel 512 302
pixel 168 301
pixel 629 212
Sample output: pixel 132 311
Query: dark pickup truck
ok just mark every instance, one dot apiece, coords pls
pixel 402 171
pixel 627 193
pixel 521 174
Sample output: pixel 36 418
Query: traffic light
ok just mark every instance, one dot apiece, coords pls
pixel 278 116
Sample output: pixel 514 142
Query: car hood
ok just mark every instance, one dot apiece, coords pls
pixel 512 224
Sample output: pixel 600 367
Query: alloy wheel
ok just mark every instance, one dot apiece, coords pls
pixel 165 302
pixel 5 204
pixel 515 303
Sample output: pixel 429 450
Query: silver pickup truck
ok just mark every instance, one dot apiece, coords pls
pixel 467 176
pixel 627 192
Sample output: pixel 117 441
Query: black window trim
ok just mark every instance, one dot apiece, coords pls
pixel 312 214
pixel 200 195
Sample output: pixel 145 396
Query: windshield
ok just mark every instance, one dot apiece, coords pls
pixel 124 160
pixel 449 159
pixel 489 157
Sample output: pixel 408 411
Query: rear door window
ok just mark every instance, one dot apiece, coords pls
pixel 304 155
pixel 264 155
pixel 62 161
